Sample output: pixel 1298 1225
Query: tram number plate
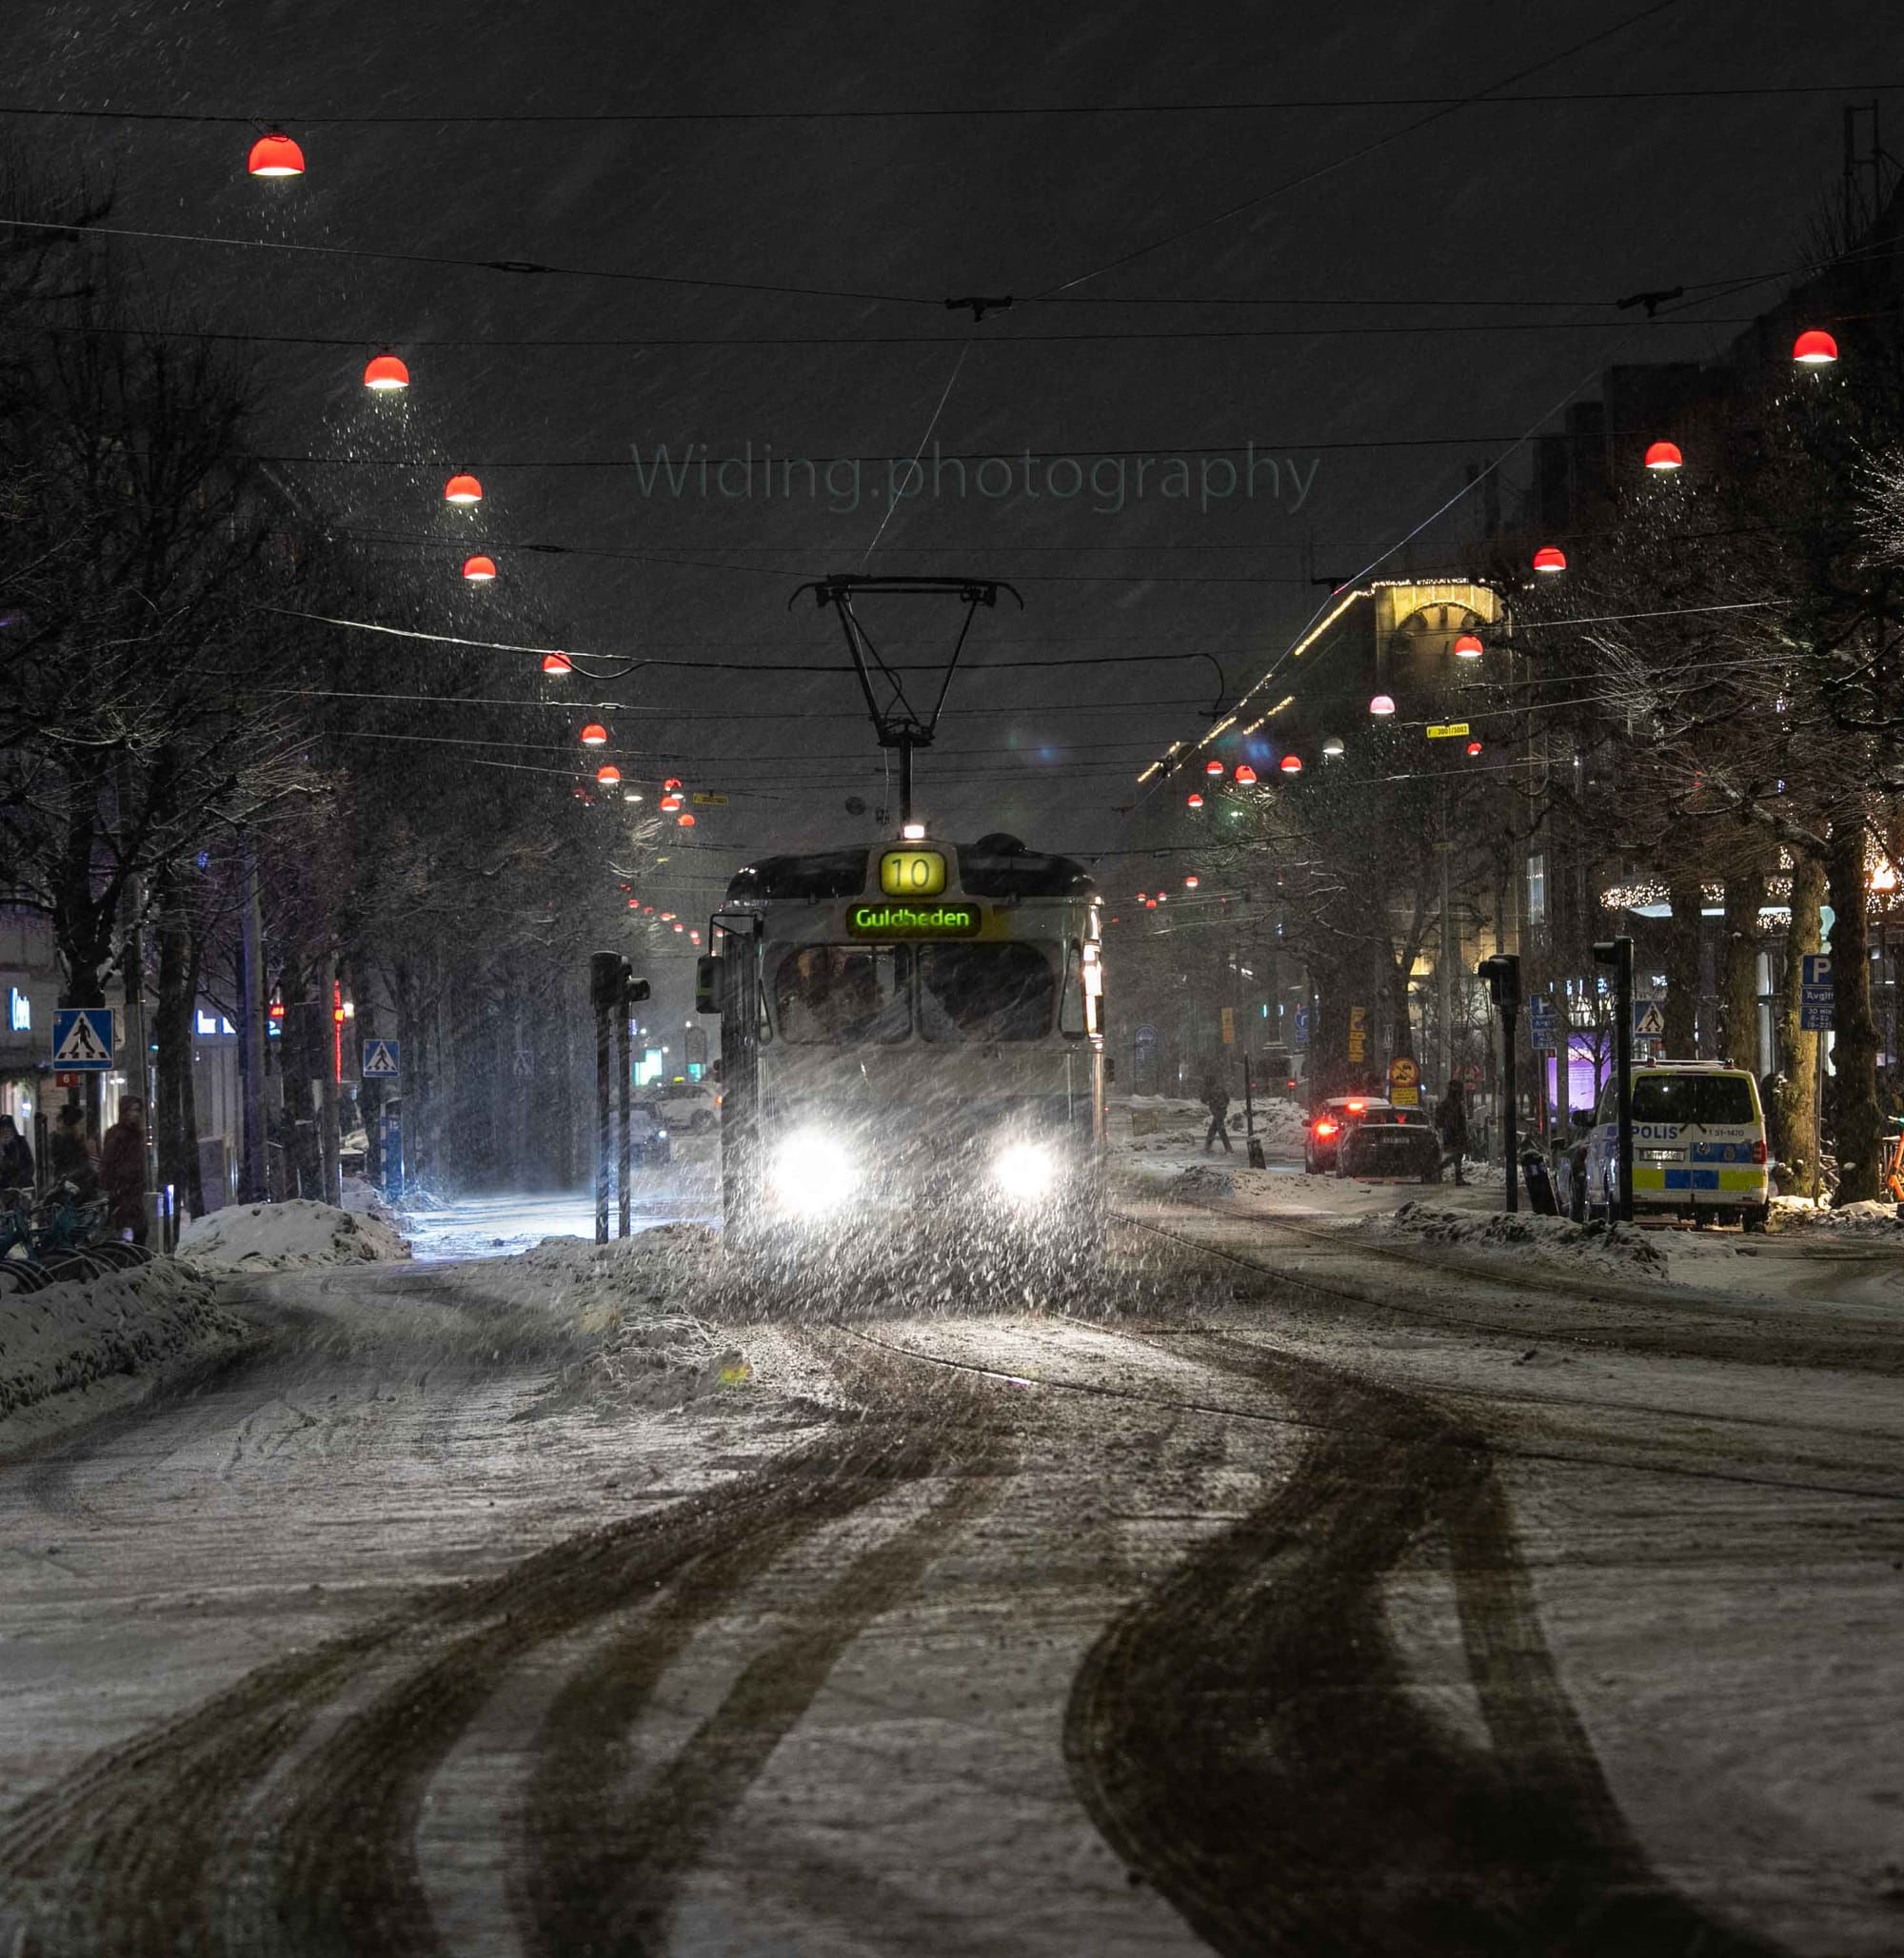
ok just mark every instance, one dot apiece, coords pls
pixel 915 921
pixel 912 873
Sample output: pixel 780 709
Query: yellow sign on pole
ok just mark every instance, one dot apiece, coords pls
pixel 1448 731
pixel 1404 1079
pixel 1358 1033
pixel 1229 1026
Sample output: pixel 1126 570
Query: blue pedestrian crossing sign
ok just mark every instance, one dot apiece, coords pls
pixel 383 1060
pixel 83 1038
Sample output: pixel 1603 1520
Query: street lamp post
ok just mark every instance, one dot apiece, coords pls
pixel 1618 954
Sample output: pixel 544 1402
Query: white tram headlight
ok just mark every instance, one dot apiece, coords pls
pixel 812 1174
pixel 1025 1172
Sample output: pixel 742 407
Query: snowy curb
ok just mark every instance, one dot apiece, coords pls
pixel 132 1322
pixel 282 1237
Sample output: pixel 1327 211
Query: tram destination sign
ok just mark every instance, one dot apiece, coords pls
pixel 896 920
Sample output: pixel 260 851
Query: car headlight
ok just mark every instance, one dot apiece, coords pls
pixel 811 1173
pixel 1025 1172
pixel 661 1135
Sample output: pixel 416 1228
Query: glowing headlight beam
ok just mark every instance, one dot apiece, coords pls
pixel 1025 1172
pixel 812 1174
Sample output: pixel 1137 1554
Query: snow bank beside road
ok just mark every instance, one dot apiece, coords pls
pixel 67 1336
pixel 1541 1239
pixel 278 1236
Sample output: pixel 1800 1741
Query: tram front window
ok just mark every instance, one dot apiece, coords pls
pixel 841 994
pixel 970 991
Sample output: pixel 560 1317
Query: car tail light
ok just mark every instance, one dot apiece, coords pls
pixel 1358 1107
pixel 1758 1152
pixel 1326 1128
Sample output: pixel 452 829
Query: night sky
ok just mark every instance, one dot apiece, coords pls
pixel 1518 224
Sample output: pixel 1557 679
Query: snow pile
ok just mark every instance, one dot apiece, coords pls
pixel 1546 1240
pixel 1866 1219
pixel 278 1236
pixel 638 1297
pixel 130 1322
pixel 1150 1124
pixel 1207 1179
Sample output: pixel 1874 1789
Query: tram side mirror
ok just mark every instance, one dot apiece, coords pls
pixel 711 983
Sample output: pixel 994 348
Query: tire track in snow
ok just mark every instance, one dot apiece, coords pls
pixel 1244 1737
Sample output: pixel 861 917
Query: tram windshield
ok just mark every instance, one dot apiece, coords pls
pixel 843 995
pixel 999 992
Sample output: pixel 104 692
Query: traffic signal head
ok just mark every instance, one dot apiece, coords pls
pixel 1502 973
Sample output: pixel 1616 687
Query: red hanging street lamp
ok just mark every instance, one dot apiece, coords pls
pixel 672 783
pixel 1815 348
pixel 1665 455
pixel 1246 775
pixel 594 736
pixel 479 571
pixel 1473 747
pixel 1193 801
pixel 1549 559
pixel 463 490
pixel 1291 764
pixel 1213 767
pixel 1190 883
pixel 275 155
pixel 607 773
pixel 685 818
pixel 1468 647
pixel 386 374
pixel 556 663
pixel 669 804
pixel 1381 706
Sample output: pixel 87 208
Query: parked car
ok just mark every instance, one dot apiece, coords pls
pixel 1328 1124
pixel 649 1143
pixel 690 1106
pixel 1698 1146
pixel 1391 1142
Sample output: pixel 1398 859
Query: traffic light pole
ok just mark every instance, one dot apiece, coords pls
pixel 612 991
pixel 1502 973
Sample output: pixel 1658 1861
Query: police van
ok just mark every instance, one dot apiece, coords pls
pixel 1699 1145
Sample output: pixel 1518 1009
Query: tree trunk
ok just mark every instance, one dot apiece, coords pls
pixel 1682 969
pixel 175 1126
pixel 1859 1121
pixel 1739 978
pixel 1795 1137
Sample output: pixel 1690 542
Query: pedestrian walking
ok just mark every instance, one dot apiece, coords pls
pixel 70 1157
pixel 122 1171
pixel 17 1159
pixel 1217 1100
pixel 1451 1118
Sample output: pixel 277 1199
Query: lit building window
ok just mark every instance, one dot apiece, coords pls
pixel 19 1010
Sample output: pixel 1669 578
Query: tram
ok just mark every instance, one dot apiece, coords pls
pixel 912 1042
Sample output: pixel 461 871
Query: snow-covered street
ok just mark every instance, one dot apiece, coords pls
pixel 430 1624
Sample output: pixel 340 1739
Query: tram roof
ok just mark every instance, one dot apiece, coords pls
pixel 995 866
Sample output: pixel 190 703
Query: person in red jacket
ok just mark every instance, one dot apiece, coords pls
pixel 122 1169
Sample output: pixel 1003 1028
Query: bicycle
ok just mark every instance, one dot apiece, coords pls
pixel 1892 1167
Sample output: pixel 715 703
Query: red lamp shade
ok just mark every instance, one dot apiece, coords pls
pixel 556 663
pixel 1381 706
pixel 1212 768
pixel 634 903
pixel 608 772
pixel 1150 903
pixel 1246 775
pixel 1473 747
pixel 386 374
pixel 681 927
pixel 1193 801
pixel 479 571
pixel 1814 348
pixel 1190 883
pixel 670 804
pixel 1468 647
pixel 1665 455
pixel 1291 764
pixel 1550 558
pixel 668 917
pixel 672 783
pixel 275 155
pixel 463 490
pixel 594 736
pixel 687 821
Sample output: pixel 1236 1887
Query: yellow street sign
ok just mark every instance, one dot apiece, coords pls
pixel 1448 731
pixel 702 800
